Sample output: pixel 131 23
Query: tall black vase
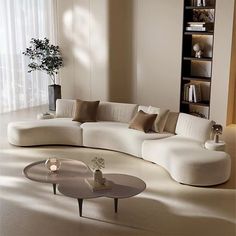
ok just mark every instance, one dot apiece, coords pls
pixel 54 93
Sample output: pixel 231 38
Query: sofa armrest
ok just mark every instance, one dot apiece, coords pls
pixel 193 127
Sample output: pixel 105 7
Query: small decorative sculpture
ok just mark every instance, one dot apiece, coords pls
pixel 201 3
pixel 198 51
pixel 217 130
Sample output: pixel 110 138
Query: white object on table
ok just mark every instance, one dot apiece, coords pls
pixel 43 116
pixel 211 145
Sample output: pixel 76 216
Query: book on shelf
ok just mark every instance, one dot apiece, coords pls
pixel 186 92
pixel 196 23
pixel 199 26
pixel 197 95
pixel 195 28
pixel 192 93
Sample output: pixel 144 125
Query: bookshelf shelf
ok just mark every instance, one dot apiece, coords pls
pixel 203 103
pixel 198 59
pixel 210 33
pixel 196 78
pixel 200 8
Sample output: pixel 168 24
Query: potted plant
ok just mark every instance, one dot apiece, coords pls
pixel 47 58
pixel 97 165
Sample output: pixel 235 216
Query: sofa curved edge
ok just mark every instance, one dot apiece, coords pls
pixel 212 167
pixel 62 136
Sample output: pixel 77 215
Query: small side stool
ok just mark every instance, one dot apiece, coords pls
pixel 212 145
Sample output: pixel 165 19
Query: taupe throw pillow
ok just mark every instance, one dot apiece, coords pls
pixel 142 121
pixel 85 111
pixel 159 123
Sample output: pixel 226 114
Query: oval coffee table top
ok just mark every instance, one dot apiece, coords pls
pixel 123 186
pixel 69 170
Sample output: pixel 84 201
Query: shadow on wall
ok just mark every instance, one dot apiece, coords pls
pixel 121 49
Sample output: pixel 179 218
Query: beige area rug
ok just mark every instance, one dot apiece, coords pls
pixel 164 208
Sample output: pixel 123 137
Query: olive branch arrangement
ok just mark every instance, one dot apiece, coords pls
pixel 44 57
pixel 98 163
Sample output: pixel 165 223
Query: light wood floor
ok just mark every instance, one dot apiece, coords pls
pixel 165 208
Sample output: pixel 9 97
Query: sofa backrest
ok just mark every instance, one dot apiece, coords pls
pixel 119 112
pixel 193 127
pixel 107 111
pixel 65 108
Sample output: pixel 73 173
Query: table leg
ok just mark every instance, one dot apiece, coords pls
pixel 116 204
pixel 80 202
pixel 54 188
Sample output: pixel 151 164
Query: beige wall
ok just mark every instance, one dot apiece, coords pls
pixel 130 51
pixel 231 117
pixel 159 45
pixel 65 28
pixel 222 61
pixel 122 50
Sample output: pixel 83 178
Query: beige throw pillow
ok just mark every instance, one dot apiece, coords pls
pixel 142 121
pixel 85 111
pixel 160 121
pixel 171 122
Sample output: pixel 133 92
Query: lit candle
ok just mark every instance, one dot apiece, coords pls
pixel 53 167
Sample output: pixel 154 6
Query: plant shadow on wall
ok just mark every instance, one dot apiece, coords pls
pixel 47 58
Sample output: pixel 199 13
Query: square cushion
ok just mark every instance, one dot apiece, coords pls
pixel 142 121
pixel 85 111
pixel 160 121
pixel 171 122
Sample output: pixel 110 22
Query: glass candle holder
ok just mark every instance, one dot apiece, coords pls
pixel 52 164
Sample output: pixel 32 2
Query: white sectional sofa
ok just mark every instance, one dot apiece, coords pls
pixel 179 148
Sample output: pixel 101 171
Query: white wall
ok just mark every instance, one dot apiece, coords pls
pixel 130 51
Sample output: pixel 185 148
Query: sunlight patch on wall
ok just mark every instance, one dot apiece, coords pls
pixel 79 24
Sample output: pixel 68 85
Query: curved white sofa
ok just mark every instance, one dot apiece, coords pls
pixel 179 149
pixel 61 131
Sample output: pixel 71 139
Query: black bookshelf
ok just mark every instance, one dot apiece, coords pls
pixel 194 66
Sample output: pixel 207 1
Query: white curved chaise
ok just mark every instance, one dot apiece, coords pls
pixel 179 149
pixel 61 131
pixel 187 161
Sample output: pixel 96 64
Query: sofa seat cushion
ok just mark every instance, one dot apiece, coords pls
pixel 62 131
pixel 116 136
pixel 187 161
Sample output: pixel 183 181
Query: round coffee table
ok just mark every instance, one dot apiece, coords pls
pixel 122 186
pixel 69 170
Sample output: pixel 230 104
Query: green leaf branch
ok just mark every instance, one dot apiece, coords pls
pixel 44 57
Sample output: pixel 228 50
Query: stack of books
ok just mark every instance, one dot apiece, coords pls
pixel 192 93
pixel 196 26
pixel 94 186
